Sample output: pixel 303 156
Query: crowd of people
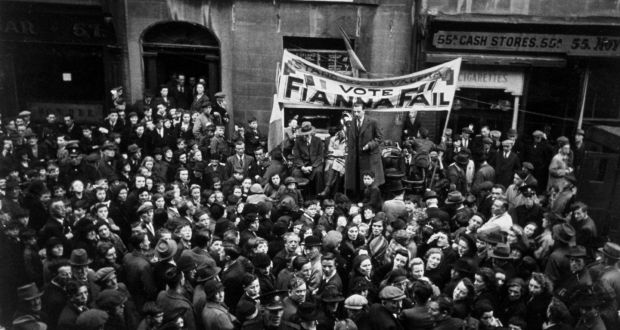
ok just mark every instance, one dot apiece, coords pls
pixel 161 218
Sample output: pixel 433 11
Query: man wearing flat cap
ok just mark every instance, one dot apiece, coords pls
pixel 506 164
pixel 385 314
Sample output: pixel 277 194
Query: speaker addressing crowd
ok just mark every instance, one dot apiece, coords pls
pixel 162 218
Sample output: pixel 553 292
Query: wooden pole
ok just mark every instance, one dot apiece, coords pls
pixel 584 94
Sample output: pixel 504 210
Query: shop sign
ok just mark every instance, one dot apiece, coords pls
pixel 82 112
pixel 509 81
pixel 576 45
pixel 35 24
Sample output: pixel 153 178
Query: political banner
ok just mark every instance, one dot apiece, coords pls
pixel 305 84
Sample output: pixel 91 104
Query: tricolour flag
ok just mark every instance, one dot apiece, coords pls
pixel 276 125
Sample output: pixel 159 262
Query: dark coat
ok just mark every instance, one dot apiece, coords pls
pixel 53 301
pixel 233 163
pixel 359 160
pixel 169 301
pixel 231 278
pixel 505 168
pixel 139 278
pixel 68 317
pixel 416 318
pixel 309 155
pixel 382 319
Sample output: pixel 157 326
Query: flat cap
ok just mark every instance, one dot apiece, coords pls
pixel 145 207
pixel 220 94
pixel 92 319
pixel 24 113
pixel 562 140
pixel 391 293
pixel 109 299
pixel 355 302
pixel 528 166
pixel 508 142
pixel 538 133
pixel 104 273
pixel 495 134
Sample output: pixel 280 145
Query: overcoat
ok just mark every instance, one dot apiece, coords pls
pixel 364 160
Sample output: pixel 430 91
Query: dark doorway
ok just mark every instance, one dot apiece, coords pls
pixel 180 48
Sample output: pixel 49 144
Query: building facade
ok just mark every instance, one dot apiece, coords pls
pixel 527 64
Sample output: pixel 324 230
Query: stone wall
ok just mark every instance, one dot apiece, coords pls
pixel 251 40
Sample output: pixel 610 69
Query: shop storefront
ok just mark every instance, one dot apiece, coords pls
pixel 528 76
pixel 56 59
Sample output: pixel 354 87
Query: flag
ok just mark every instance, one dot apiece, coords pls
pixel 355 61
pixel 276 125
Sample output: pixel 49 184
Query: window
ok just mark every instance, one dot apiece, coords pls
pixel 329 53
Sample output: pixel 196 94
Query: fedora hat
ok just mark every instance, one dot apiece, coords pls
pixel 331 294
pixel 577 251
pixel 28 292
pixel 462 158
pixel 455 197
pixel 393 185
pixel 307 312
pixel 79 257
pixel 500 251
pixel 493 237
pixel 564 233
pixel 312 241
pixel 207 272
pixel 306 128
pixel 165 249
pixel 611 250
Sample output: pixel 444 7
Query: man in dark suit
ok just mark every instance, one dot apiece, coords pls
pixel 113 124
pixel 506 163
pixel 181 93
pixel 161 137
pixel 364 154
pixel 240 160
pixel 164 98
pixel 308 156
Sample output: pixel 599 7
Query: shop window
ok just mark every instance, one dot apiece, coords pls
pixel 603 99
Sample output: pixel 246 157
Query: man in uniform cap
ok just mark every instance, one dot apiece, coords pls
pixel 273 309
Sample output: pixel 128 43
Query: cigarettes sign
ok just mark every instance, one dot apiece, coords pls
pixel 576 45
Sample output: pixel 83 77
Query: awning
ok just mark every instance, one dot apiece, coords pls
pixel 492 59
pixel 526 19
